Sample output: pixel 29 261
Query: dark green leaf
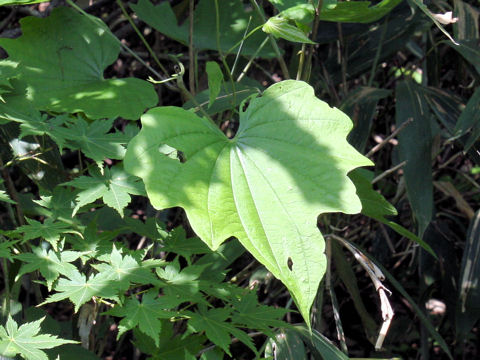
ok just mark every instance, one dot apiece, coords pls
pixel 415 142
pixel 215 80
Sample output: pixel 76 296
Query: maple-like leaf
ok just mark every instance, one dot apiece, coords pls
pixel 287 164
pixel 124 270
pixel 80 290
pixel 114 187
pixel 49 263
pixel 94 139
pixel 50 230
pixel 217 329
pixel 146 314
pixel 249 313
pixel 26 341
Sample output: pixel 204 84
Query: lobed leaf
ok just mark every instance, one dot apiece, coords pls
pixel 266 186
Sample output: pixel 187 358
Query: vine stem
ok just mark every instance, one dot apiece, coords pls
pixel 191 72
pixel 280 59
pixel 127 49
pixel 316 22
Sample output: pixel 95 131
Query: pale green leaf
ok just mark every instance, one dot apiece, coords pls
pixel 281 28
pixel 80 290
pixel 49 263
pixel 114 187
pixel 26 341
pixel 215 80
pixel 50 230
pixel 20 2
pixel 5 198
pixel 63 67
pixel 266 186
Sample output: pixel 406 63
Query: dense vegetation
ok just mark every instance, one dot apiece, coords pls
pixel 216 179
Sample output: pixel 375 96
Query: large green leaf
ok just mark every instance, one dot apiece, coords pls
pixel 233 18
pixel 286 165
pixel 63 66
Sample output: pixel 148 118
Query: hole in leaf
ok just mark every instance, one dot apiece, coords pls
pixel 289 263
pixel 172 153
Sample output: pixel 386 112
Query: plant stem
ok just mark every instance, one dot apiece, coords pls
pixel 191 72
pixel 377 53
pixel 282 63
pixel 222 56
pixel 316 22
pixel 301 62
pixel 245 69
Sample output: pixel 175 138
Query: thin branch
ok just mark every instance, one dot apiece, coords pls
pixel 389 137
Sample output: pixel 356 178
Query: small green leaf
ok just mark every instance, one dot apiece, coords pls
pixel 288 345
pixel 145 314
pixel 280 27
pixel 469 120
pixel 216 328
pixel 50 230
pixel 80 290
pixel 215 80
pixel 320 345
pixel 94 139
pixel 234 20
pixel 26 341
pixel 114 187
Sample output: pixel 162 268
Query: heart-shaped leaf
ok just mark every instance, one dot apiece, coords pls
pixel 63 67
pixel 287 164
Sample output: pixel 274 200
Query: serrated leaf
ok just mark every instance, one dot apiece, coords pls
pixel 26 341
pixel 266 186
pixel 94 139
pixel 114 187
pixel 124 270
pixel 5 198
pixel 145 314
pixel 215 80
pixel 213 322
pixel 80 290
pixel 281 28
pixel 49 263
pixel 249 313
pixel 63 67
pixel 50 230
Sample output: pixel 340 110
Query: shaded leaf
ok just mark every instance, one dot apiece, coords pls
pixel 320 345
pixel 145 314
pixel 374 205
pixel 287 345
pixel 414 146
pixel 215 80
pixel 233 23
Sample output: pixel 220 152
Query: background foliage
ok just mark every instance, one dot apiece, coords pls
pixel 97 260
